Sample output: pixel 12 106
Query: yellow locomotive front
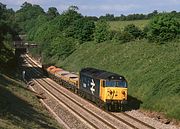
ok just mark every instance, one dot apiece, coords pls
pixel 114 92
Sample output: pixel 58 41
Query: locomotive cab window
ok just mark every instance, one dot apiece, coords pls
pixel 115 83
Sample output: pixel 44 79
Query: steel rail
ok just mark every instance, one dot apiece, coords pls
pixel 127 123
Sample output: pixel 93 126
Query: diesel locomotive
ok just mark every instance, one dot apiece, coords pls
pixel 106 89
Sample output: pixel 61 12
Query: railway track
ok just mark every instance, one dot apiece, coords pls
pixel 98 117
pixel 47 87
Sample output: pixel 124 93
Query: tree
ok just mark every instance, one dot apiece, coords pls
pixel 63 21
pixel 73 8
pixel 93 18
pixel 101 31
pixel 62 47
pixel 6 34
pixel 52 12
pixel 7 25
pixel 40 21
pixel 107 17
pixel 26 16
pixel 81 29
pixel 154 13
pixel 163 27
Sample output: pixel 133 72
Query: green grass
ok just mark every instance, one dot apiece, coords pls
pixel 119 25
pixel 19 108
pixel 152 70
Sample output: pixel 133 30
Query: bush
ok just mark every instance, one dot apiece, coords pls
pixel 134 31
pixel 129 33
pixel 126 37
pixel 123 36
pixel 101 31
pixel 163 27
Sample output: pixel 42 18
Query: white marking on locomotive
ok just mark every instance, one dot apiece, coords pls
pixel 84 84
pixel 92 88
pixel 23 75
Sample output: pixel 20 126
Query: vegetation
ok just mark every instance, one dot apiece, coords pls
pixel 131 48
pixel 101 32
pixel 163 27
pixel 134 31
pixel 131 17
pixel 52 12
pixel 119 25
pixel 19 108
pixel 53 30
pixel 8 31
pixel 152 70
pixel 72 41
pixel 26 16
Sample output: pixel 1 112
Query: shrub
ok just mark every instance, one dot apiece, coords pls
pixel 101 31
pixel 126 37
pixel 163 27
pixel 134 31
pixel 121 36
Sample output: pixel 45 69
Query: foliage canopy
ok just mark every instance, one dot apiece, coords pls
pixel 163 27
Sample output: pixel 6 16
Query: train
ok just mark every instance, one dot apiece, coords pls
pixel 106 89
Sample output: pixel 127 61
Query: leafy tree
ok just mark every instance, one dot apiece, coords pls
pixel 93 18
pixel 52 12
pixel 40 21
pixel 6 34
pixel 73 8
pixel 26 16
pixel 46 33
pixel 62 47
pixel 154 13
pixel 7 25
pixel 101 33
pixel 81 29
pixel 163 27
pixel 63 21
pixel 108 17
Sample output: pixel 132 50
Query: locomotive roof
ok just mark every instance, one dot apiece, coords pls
pixel 101 74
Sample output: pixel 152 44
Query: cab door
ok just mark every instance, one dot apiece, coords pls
pixel 102 90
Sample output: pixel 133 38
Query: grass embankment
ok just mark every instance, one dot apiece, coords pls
pixel 19 108
pixel 152 70
pixel 119 25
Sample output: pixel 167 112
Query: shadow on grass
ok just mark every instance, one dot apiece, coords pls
pixel 18 111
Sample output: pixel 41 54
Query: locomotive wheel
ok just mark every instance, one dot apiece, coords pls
pixel 99 103
pixel 123 107
pixel 113 107
pixel 118 107
pixel 107 106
